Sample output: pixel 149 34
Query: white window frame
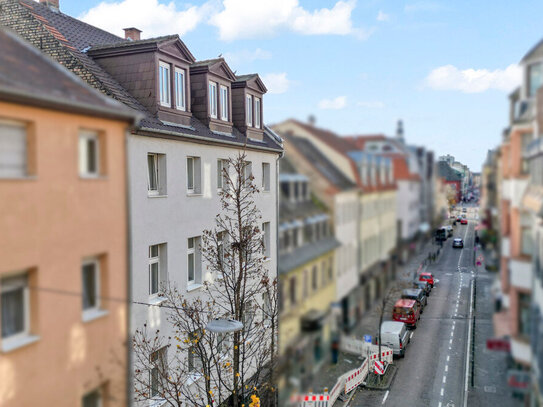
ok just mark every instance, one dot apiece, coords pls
pixel 96 262
pixel 249 110
pixel 180 93
pixel 84 137
pixel 164 72
pixel 17 337
pixel 221 177
pixel 258 112
pixel 163 354
pixel 190 164
pixel 21 172
pixel 266 174
pixel 156 173
pixel 266 232
pixel 191 251
pixel 247 172
pixel 224 102
pixel 212 94
pixel 154 260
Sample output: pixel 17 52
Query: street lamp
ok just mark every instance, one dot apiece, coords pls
pixel 224 325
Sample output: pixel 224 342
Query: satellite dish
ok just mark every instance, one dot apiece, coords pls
pixel 224 325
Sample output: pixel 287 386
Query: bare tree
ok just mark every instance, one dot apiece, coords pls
pixel 206 368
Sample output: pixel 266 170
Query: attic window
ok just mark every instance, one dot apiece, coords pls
pixel 224 103
pixel 249 110
pixel 257 113
pixel 164 80
pixel 180 89
pixel 213 100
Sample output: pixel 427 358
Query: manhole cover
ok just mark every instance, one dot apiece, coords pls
pixel 490 389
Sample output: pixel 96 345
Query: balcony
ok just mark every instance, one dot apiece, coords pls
pixel 521 273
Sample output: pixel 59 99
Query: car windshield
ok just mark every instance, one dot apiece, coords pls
pixel 402 310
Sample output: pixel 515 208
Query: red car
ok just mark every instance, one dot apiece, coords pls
pixel 406 311
pixel 464 221
pixel 428 277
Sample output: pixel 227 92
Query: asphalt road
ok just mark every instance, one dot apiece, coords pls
pixel 433 372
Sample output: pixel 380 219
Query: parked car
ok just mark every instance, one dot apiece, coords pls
pixel 458 242
pixel 464 221
pixel 395 335
pixel 406 311
pixel 423 285
pixel 450 230
pixel 428 277
pixel 415 294
pixel 459 218
pixel 464 210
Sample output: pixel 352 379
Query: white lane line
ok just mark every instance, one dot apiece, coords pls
pixel 468 347
pixel 444 379
pixel 385 398
pixel 448 357
pixel 450 347
pixel 446 368
pixel 439 404
pixel 450 341
pixel 442 390
pixel 452 334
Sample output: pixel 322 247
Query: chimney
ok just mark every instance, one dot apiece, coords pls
pixel 312 120
pixel 132 34
pixel 52 4
pixel 399 131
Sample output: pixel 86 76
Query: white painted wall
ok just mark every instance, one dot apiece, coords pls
pixel 407 200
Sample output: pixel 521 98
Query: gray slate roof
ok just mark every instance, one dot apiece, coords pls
pixel 305 254
pixel 535 53
pixel 128 43
pixel 55 86
pixel 445 171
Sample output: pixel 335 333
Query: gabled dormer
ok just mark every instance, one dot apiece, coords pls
pixel 211 92
pixel 247 93
pixel 155 71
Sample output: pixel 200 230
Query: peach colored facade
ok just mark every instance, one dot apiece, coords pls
pixel 51 221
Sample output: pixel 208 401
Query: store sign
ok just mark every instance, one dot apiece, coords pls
pixel 519 380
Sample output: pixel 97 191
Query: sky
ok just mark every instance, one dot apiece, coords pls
pixel 445 68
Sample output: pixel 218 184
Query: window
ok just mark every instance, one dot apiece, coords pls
pixel 13 154
pixel 90 270
pixel 315 277
pixel 224 103
pixel 193 175
pixel 266 237
pixel 156 174
pixel 292 291
pixel 180 89
pixel 213 99
pixel 92 399
pixel 193 261
pixel 221 243
pixel 330 270
pixel 88 154
pixel 266 309
pixel 526 241
pixel 15 306
pixel 164 83
pixel 222 171
pixel 524 314
pixel 194 361
pixel 154 269
pixel 257 113
pixel 159 361
pixel 249 110
pixel 248 172
pixel 306 283
pixel 266 176
pixel 248 316
pixel 535 78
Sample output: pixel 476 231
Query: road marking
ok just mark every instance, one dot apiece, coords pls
pixel 450 341
pixel 385 398
pixel 450 347
pixel 439 405
pixel 448 357
pixel 444 379
pixel 468 347
pixel 446 368
pixel 411 336
pixel 442 390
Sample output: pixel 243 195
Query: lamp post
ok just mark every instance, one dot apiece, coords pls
pixel 224 326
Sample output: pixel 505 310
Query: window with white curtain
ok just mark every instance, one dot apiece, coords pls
pixel 13 151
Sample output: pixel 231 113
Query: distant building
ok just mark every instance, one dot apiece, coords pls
pixel 451 177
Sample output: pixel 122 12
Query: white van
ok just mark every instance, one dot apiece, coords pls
pixel 394 334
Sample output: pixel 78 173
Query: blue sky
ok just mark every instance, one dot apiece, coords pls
pixel 445 68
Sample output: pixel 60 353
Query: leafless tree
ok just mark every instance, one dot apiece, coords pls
pixel 205 368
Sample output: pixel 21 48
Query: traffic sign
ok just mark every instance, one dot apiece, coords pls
pixel 367 338
pixel 379 367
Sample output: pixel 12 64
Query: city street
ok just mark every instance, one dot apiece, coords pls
pixel 436 368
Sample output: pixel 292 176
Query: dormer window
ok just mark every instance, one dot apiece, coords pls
pixel 164 79
pixel 180 94
pixel 535 78
pixel 249 110
pixel 224 103
pixel 213 100
pixel 257 113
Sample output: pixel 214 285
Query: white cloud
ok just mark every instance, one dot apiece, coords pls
pixel 371 105
pixel 381 16
pixel 153 17
pixel 276 82
pixel 264 18
pixel 335 104
pixel 449 77
pixel 244 56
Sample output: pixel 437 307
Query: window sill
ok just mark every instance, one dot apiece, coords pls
pixel 20 178
pixel 194 286
pixel 91 177
pixel 157 196
pixel 194 194
pixel 193 378
pixel 156 300
pixel 92 314
pixel 11 344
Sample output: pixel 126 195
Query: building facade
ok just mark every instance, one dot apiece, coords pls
pixel 64 275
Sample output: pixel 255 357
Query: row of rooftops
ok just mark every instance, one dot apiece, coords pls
pixel 76 44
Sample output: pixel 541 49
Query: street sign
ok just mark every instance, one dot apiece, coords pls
pixel 498 344
pixel 379 368
pixel 367 338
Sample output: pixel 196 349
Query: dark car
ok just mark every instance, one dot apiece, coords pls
pixel 458 243
pixel 417 295
pixel 424 286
